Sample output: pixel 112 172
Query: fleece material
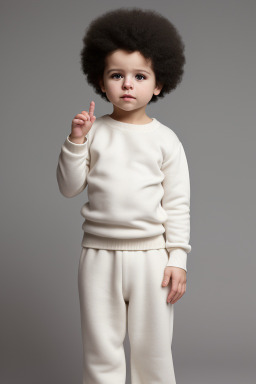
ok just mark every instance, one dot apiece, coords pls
pixel 138 187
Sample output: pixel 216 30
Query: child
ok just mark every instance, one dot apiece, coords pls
pixel 132 266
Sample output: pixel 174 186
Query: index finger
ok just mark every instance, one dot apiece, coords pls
pixel 91 109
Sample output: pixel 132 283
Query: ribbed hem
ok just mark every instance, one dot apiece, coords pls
pixel 99 242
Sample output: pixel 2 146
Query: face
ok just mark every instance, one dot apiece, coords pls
pixel 131 74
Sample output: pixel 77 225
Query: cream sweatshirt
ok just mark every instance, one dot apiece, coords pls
pixel 138 187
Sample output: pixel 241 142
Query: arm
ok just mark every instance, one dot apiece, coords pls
pixel 176 203
pixel 73 167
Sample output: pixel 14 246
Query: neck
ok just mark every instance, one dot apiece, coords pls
pixel 131 117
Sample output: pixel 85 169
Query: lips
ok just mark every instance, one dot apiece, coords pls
pixel 128 96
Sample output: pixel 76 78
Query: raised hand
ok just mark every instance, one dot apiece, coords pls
pixel 81 124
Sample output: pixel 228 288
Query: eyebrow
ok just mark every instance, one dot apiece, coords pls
pixel 137 70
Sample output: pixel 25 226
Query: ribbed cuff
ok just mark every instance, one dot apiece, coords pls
pixel 177 258
pixel 75 148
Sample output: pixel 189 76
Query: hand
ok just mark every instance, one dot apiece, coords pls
pixel 178 284
pixel 82 123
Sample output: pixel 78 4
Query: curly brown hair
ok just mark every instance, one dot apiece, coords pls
pixel 135 29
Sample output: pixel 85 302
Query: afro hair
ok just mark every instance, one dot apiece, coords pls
pixel 146 31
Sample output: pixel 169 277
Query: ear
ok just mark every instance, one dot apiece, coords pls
pixel 158 89
pixel 101 83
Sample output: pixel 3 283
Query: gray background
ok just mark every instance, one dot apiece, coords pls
pixel 212 112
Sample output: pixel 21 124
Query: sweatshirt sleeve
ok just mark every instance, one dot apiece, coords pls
pixel 72 168
pixel 176 203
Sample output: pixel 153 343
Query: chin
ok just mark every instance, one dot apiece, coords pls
pixel 125 108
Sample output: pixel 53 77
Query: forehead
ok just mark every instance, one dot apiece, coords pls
pixel 126 60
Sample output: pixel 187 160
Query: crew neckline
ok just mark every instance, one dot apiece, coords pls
pixel 129 126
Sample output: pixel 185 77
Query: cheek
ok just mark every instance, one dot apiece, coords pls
pixel 147 91
pixel 112 88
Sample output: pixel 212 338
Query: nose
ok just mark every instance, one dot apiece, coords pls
pixel 127 83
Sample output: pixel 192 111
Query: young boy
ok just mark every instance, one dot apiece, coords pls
pixel 132 266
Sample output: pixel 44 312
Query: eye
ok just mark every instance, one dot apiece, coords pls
pixel 114 75
pixel 141 76
pixel 118 75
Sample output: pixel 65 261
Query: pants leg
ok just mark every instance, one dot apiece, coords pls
pixel 108 279
pixel 103 316
pixel 150 318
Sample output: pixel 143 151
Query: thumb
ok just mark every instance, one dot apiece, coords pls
pixel 167 276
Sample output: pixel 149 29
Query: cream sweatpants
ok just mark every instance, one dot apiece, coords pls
pixel 121 290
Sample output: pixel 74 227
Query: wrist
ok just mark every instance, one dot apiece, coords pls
pixel 77 140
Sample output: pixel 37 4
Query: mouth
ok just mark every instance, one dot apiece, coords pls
pixel 127 97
